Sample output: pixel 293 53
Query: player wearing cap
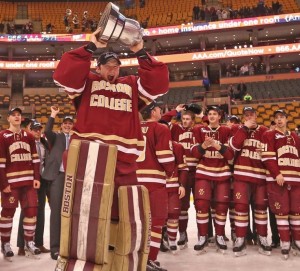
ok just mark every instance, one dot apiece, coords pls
pixel 19 179
pixel 42 148
pixel 108 105
pixel 282 159
pixel 249 182
pixel 155 164
pixel 213 174
pixel 232 120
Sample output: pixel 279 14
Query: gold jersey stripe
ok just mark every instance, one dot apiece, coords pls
pixel 150 171
pixel 18 173
pixel 262 170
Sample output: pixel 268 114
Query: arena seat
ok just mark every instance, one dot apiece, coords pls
pixel 42 104
pixel 179 95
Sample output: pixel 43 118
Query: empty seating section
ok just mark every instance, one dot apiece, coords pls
pixel 265 112
pixel 273 89
pixel 42 104
pixel 178 96
pixel 8 11
pixel 289 6
pixel 167 12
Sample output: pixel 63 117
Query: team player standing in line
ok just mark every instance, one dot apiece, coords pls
pixel 249 182
pixel 175 189
pixel 212 185
pixel 155 164
pixel 183 134
pixel 282 160
pixel 19 179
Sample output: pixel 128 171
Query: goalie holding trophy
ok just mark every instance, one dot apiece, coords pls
pixel 105 214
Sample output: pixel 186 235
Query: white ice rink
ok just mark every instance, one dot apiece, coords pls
pixel 185 260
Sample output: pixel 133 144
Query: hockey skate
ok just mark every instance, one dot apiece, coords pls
pixel 183 240
pixel 7 252
pixel 239 247
pixel 167 245
pixel 233 236
pixel 296 248
pixel 285 249
pixel 152 266
pixel 264 247
pixel 164 246
pixel 202 243
pixel 31 251
pixel 172 247
pixel 221 244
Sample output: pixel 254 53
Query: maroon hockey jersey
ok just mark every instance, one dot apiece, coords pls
pixel 184 136
pixel 19 161
pixel 213 165
pixel 248 145
pixel 109 112
pixel 156 162
pixel 181 169
pixel 281 155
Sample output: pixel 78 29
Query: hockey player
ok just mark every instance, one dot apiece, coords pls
pixel 249 182
pixel 108 105
pixel 183 134
pixel 282 159
pixel 175 189
pixel 212 177
pixel 19 179
pixel 155 164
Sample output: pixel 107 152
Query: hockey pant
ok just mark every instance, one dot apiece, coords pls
pixel 205 192
pixel 284 202
pixel 27 196
pixel 243 193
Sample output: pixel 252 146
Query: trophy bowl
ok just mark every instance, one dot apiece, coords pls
pixel 115 27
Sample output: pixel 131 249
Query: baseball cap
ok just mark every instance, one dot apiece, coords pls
pixel 70 118
pixel 214 108
pixel 13 110
pixel 248 108
pixel 280 111
pixel 35 125
pixel 154 104
pixel 193 107
pixel 233 117
pixel 105 57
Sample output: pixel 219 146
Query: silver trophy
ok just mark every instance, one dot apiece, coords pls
pixel 117 28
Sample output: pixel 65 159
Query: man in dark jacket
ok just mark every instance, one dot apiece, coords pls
pixel 54 173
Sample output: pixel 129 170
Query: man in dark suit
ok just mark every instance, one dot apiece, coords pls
pixel 54 173
pixel 43 192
